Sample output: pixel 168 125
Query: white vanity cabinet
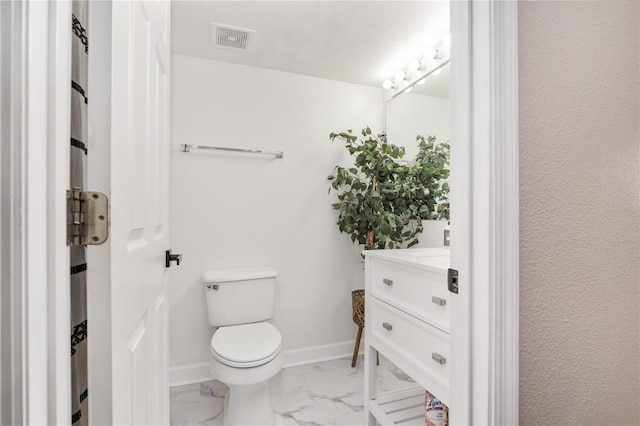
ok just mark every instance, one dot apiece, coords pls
pixel 407 317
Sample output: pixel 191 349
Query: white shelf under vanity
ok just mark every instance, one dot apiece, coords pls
pixel 407 317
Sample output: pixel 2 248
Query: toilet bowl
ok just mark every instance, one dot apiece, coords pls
pixel 245 357
pixel 245 349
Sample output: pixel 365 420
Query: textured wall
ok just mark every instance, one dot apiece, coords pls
pixel 579 250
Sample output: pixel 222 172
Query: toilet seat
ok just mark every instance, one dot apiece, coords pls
pixel 246 345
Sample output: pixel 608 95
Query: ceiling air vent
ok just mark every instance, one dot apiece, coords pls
pixel 228 37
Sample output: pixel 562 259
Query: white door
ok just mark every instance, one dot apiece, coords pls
pixel 139 211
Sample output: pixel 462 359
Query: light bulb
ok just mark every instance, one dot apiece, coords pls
pixel 400 75
pixel 388 84
pixel 447 40
pixel 408 89
pixel 414 65
pixel 432 53
pixel 436 72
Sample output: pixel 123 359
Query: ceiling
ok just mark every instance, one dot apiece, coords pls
pixel 361 42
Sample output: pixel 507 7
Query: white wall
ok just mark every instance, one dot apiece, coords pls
pixel 579 212
pixel 412 114
pixel 230 210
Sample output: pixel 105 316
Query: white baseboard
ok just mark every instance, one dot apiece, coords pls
pixel 197 373
pixel 189 374
pixel 309 355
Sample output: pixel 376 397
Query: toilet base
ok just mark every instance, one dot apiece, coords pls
pixel 248 405
pixel 247 401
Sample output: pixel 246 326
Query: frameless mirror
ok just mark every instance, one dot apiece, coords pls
pixel 424 111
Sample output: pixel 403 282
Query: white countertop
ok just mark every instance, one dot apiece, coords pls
pixel 425 258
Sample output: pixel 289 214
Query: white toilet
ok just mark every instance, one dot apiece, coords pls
pixel 245 348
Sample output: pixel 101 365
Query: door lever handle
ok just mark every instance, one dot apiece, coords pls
pixel 172 258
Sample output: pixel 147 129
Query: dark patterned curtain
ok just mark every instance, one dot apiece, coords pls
pixel 79 99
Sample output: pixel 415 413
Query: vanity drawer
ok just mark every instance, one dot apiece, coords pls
pixel 422 293
pixel 424 346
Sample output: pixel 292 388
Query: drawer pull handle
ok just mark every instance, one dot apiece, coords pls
pixel 438 301
pixel 438 358
pixel 387 326
pixel 387 281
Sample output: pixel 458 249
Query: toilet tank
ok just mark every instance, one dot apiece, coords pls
pixel 239 296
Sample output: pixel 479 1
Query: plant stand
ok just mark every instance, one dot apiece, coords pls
pixel 357 302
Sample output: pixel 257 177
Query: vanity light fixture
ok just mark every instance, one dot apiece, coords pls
pixel 416 65
pixel 401 75
pixel 433 53
pixel 388 85
pixel 405 80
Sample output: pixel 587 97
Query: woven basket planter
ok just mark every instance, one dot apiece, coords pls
pixel 357 300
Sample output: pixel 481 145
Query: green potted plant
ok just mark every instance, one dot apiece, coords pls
pixel 376 197
pixel 382 199
pixel 431 169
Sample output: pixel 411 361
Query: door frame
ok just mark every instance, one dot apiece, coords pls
pixel 39 273
pixel 34 159
pixel 485 104
pixel 99 359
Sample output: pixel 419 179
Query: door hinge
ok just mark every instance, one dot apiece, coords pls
pixel 87 217
pixel 453 281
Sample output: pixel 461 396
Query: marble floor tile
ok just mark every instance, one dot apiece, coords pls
pixel 326 393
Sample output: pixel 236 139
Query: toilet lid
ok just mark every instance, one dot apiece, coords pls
pixel 246 345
